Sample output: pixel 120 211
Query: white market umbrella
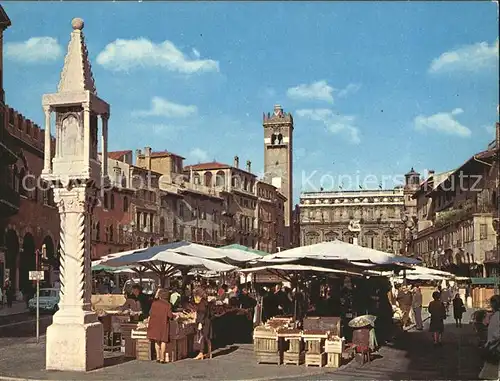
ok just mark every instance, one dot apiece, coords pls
pixel 297 268
pixel 337 250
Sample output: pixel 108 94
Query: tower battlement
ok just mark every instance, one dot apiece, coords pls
pixel 277 116
pixel 25 130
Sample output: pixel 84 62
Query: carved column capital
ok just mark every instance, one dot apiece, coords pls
pixel 47 109
pixel 86 107
pixel 105 117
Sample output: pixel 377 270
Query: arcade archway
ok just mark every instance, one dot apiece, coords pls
pixel 27 263
pixel 11 255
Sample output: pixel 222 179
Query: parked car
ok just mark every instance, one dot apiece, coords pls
pixel 48 302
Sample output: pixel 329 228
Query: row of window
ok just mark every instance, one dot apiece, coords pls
pixel 457 238
pixel 351 213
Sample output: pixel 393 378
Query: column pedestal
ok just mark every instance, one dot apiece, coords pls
pixel 74 346
pixel 75 338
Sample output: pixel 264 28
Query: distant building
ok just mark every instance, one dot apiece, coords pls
pixel 456 212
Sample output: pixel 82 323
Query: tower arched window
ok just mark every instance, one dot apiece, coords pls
pixel 273 139
pixel 280 138
pixel 125 204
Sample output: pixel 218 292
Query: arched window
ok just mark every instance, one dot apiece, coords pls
pixel 105 201
pixel 220 179
pixel 125 204
pixel 245 184
pixel 196 179
pixel 111 231
pixel 112 201
pixel 208 179
pixel 15 178
pixel 22 181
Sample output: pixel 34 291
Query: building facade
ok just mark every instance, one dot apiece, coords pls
pixel 278 161
pixel 456 213
pixel 326 216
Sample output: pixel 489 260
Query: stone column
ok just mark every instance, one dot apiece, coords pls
pixel 104 144
pixel 86 133
pixel 75 338
pixel 47 166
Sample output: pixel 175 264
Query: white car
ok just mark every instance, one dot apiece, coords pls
pixel 48 301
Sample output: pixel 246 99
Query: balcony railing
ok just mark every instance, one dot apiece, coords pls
pixel 9 200
pixel 459 214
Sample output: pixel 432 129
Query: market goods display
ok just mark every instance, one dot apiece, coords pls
pixel 362 321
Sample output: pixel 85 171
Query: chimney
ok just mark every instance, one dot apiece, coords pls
pixel 431 172
pixel 138 152
pixel 236 162
pixel 147 157
pixel 249 166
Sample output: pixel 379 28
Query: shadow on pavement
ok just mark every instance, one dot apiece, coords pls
pixel 414 356
pixel 226 351
pixel 25 328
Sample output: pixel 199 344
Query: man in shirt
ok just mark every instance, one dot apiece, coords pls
pixel 405 300
pixel 417 307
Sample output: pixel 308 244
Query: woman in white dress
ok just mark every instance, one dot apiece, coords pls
pixel 490 370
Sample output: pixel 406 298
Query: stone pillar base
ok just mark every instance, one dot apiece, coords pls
pixel 74 347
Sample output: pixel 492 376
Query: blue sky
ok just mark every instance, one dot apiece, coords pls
pixel 375 88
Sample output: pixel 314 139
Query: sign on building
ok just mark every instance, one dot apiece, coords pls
pixel 36 275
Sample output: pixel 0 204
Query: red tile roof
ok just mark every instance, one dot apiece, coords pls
pixel 117 155
pixel 206 166
pixel 163 154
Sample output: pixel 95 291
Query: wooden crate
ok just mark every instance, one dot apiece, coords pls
pixel 268 346
pixel 293 358
pixel 315 359
pixel 334 360
pixel 127 338
pixel 334 346
pixel 145 350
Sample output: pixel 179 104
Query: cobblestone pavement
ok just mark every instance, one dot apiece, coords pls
pixel 412 358
pixel 416 358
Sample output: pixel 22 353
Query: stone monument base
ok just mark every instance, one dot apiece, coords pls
pixel 74 347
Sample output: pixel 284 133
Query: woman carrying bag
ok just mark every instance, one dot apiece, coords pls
pixel 159 324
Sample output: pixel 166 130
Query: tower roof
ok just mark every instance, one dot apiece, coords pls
pixel 4 19
pixel 77 75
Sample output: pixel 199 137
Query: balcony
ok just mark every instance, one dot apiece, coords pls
pixel 492 256
pixel 453 215
pixel 9 200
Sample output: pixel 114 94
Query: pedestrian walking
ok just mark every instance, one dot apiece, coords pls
pixel 458 310
pixel 9 292
pixel 437 311
pixel 417 307
pixel 491 350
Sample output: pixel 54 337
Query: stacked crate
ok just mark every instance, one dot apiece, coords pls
pixel 295 353
pixel 315 347
pixel 334 347
pixel 268 346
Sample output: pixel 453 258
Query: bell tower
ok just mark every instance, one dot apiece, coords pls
pixel 278 159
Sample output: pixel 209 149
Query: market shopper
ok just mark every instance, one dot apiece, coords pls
pixel 159 324
pixel 417 307
pixel 458 310
pixel 204 324
pixel 405 300
pixel 437 311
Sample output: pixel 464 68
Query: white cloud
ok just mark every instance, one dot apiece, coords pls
pixel 34 50
pixel 122 55
pixel 199 155
pixel 469 58
pixel 160 128
pixel 335 123
pixel 490 129
pixel 350 89
pixel 320 91
pixel 196 53
pixel 444 122
pixel 163 107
